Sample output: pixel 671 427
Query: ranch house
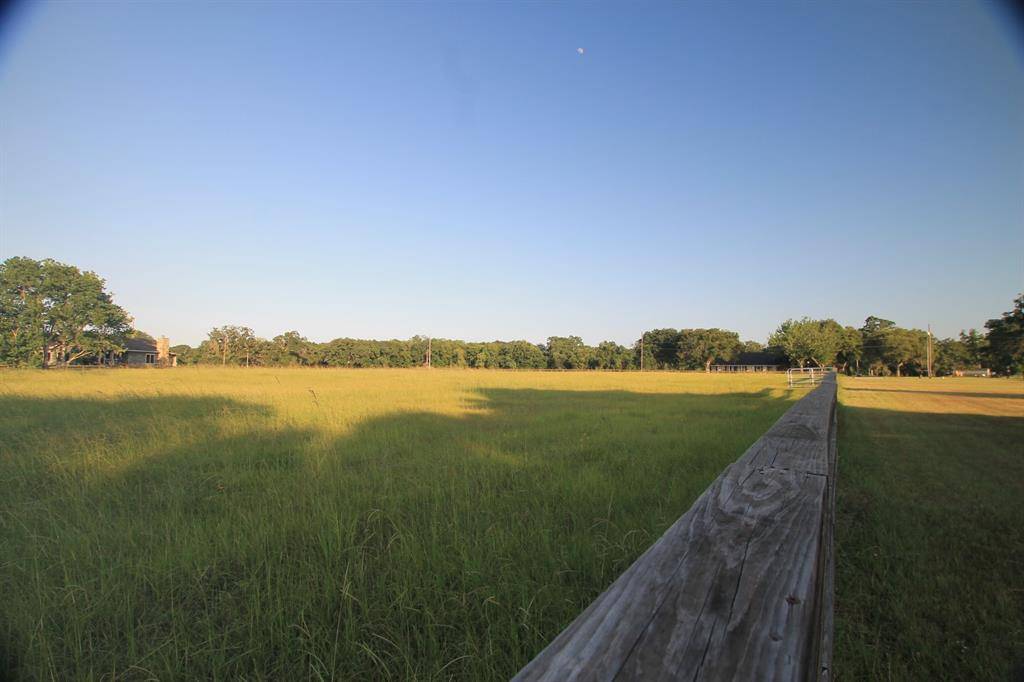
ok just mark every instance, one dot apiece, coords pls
pixel 753 361
pixel 142 352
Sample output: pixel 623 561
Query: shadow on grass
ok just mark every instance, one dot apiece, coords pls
pixel 930 540
pixel 80 420
pixel 154 536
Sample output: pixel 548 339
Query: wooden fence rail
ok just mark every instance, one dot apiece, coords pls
pixel 739 588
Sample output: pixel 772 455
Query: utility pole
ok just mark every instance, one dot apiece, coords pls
pixel 428 352
pixel 642 352
pixel 930 351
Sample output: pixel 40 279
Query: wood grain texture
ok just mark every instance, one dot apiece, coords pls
pixel 740 587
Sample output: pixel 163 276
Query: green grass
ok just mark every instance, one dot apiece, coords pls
pixel 390 524
pixel 930 530
pixel 202 523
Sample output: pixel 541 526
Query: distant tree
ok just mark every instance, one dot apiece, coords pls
pixel 904 347
pixel 347 353
pixel 610 355
pixel 567 352
pixel 55 314
pixel 887 348
pixel 701 347
pixel 643 358
pixel 752 347
pixel 498 356
pixel 661 349
pixel 266 353
pixel 873 343
pixel 832 340
pixel 187 355
pixel 851 349
pixel 230 344
pixel 481 356
pixel 1006 339
pixel 976 348
pixel 795 340
pixel 951 355
pixel 291 348
pixel 876 324
pixel 807 340
pixel 478 357
pixel 521 355
pixel 396 353
pixel 966 352
pixel 449 353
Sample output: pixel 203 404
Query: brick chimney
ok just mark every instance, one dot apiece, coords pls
pixel 163 351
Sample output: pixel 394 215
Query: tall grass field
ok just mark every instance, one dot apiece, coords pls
pixel 413 524
pixel 338 524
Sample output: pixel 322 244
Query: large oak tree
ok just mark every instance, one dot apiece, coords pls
pixel 701 347
pixel 55 314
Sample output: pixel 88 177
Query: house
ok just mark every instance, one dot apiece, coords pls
pixel 141 352
pixel 762 357
pixel 138 352
pixel 972 372
pixel 753 361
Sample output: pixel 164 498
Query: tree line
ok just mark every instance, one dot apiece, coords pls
pixel 53 314
pixel 239 345
pixel 880 347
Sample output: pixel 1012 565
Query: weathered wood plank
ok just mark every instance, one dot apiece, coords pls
pixel 738 588
pixel 827 564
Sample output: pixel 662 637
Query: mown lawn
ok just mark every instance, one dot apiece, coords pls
pixel 930 530
pixel 388 524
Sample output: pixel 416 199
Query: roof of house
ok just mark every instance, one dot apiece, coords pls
pixel 759 358
pixel 140 345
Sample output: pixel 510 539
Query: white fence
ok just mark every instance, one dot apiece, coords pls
pixel 807 376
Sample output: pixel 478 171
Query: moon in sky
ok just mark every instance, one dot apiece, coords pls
pixel 580 51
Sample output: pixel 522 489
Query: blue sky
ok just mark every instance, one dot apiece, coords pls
pixel 459 170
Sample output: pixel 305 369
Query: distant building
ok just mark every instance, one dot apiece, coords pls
pixel 972 372
pixel 753 361
pixel 762 357
pixel 140 352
